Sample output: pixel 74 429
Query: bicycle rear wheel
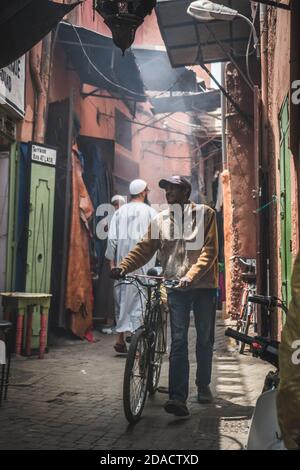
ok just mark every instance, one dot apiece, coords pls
pixel 157 353
pixel 136 377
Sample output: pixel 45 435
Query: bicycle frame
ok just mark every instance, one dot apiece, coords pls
pixel 248 290
pixel 247 314
pixel 154 299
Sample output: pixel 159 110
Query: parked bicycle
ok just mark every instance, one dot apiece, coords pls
pixel 147 347
pixel 248 311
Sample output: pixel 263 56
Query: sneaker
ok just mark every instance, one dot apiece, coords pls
pixel 204 395
pixel 108 330
pixel 176 407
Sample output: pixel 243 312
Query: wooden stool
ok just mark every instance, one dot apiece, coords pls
pixel 5 355
pixel 21 302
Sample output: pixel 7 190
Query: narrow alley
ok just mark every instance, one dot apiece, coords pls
pixel 73 400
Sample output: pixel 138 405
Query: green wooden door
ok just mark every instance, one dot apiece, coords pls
pixel 40 228
pixel 285 204
pixel 40 233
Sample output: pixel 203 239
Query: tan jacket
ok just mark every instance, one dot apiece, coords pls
pixel 194 254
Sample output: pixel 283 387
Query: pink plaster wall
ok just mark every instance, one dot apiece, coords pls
pixel 239 205
pixel 162 153
pixel 228 245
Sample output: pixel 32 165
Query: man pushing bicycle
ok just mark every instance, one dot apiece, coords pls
pixel 186 236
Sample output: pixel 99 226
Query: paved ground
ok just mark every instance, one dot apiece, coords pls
pixel 72 399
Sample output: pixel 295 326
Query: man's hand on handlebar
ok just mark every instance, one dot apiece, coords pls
pixel 184 282
pixel 117 273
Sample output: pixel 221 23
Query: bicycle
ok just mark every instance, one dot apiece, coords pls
pixel 248 312
pixel 264 432
pixel 147 347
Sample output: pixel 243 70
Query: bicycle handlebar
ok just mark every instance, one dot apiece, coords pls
pixel 260 347
pixel 239 336
pixel 170 283
pixel 250 264
pixel 268 301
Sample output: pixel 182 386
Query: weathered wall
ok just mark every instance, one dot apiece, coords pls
pixel 239 205
pixel 228 239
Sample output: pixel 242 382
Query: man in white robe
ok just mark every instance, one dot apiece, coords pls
pixel 127 227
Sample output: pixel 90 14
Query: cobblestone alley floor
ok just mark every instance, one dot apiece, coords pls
pixel 72 399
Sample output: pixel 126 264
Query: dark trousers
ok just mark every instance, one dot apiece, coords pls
pixel 203 303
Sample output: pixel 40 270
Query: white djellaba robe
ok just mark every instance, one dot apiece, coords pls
pixel 127 227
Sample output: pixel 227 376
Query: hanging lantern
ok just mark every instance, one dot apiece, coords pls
pixel 123 18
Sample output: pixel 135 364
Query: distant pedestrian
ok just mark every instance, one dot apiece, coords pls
pixel 128 225
pixel 117 201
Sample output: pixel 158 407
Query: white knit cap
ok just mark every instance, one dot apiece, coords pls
pixel 137 187
pixel 118 197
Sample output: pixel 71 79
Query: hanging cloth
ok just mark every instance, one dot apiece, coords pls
pixel 79 292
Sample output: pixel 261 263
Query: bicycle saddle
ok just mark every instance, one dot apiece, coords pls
pixel 249 277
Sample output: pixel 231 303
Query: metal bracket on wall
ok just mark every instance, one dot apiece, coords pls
pixel 96 93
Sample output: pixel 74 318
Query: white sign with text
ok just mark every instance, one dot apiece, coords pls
pixel 43 154
pixel 12 86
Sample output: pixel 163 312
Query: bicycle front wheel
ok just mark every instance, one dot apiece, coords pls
pixel 136 377
pixel 157 353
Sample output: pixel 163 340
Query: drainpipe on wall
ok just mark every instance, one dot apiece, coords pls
pixel 264 84
pixel 45 76
pixel 224 120
pixel 196 169
pixel 264 240
pixel 227 203
pixel 40 70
